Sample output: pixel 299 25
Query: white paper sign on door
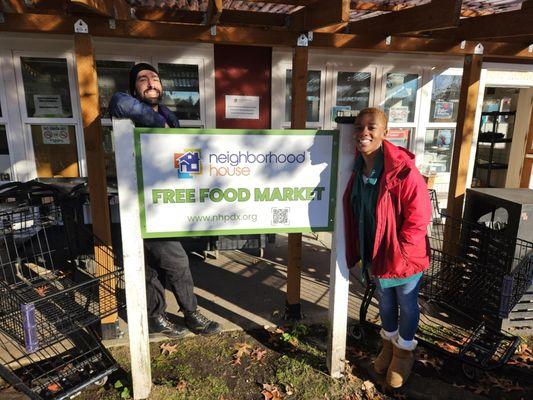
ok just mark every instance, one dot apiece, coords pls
pixel 242 107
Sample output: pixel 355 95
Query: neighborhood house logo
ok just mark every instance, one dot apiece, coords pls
pixel 188 163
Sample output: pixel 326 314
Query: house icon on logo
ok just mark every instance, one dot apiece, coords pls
pixel 188 163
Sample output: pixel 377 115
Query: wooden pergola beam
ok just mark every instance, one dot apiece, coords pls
pixel 238 17
pixel 417 45
pixel 228 17
pixel 59 5
pixel 439 14
pixel 286 2
pixel 464 134
pixel 321 14
pixel 527 167
pixel 213 13
pixel 169 15
pixel 367 6
pixel 300 61
pixel 12 6
pixel 100 7
pixel 134 29
pixel 508 24
pixel 95 155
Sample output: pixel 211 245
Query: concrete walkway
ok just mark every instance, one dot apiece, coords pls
pixel 241 291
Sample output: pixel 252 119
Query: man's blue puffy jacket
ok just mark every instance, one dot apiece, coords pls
pixel 123 105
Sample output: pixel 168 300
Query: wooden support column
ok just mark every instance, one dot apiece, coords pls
pixel 464 133
pixel 527 168
pixel 298 118
pixel 92 133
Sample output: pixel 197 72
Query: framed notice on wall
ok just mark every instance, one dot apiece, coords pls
pixel 195 182
pixel 242 107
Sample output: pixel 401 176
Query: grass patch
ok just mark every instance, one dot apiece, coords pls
pixel 237 366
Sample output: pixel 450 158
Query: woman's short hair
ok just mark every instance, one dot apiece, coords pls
pixel 380 114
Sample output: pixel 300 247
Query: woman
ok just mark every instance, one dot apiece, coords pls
pixel 387 210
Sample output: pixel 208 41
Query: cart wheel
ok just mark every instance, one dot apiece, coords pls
pixel 471 372
pixel 356 331
pixel 100 382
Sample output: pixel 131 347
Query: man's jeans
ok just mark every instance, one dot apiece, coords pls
pixel 404 298
pixel 166 262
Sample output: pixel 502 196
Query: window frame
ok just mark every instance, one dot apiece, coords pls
pixel 75 120
pixel 200 62
pixel 322 95
pixel 425 120
pixel 334 72
pixel 3 117
pixel 381 91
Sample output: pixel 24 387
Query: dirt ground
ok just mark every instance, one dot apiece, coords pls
pixel 289 363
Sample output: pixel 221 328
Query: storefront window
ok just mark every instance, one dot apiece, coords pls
pixel 445 98
pixel 46 87
pixel 400 136
pixel 113 76
pixel 353 92
pixel 400 97
pixel 5 162
pixel 181 90
pixel 55 148
pixel 438 147
pixel 313 96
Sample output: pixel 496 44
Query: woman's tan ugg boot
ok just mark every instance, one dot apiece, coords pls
pixel 403 359
pixel 383 360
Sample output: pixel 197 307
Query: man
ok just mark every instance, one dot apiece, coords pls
pixel 164 258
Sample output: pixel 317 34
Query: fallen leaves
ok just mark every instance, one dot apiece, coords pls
pixel 369 390
pixel 168 348
pixel 258 354
pixel 181 386
pixel 429 361
pixel 271 392
pixel 244 349
pixel 41 290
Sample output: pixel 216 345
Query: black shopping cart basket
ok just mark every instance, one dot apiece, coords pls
pixel 56 281
pixel 476 275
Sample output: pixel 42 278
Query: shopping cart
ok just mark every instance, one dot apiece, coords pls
pixel 59 371
pixel 476 275
pixel 57 280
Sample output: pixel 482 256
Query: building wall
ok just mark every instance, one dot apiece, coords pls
pixel 204 74
pixel 243 71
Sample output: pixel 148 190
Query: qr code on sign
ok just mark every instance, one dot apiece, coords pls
pixel 280 216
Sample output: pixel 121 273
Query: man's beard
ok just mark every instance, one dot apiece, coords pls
pixel 152 101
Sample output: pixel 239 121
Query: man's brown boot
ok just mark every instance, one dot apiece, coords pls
pixel 400 366
pixel 383 360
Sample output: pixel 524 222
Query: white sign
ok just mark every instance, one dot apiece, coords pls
pixel 242 107
pixel 55 134
pixel 47 105
pixel 211 182
pixel 398 114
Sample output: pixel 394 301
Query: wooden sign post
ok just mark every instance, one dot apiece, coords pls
pixel 339 276
pixel 133 253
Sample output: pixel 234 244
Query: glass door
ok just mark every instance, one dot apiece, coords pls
pixel 113 76
pixel 184 89
pixel 353 90
pixel 400 101
pixel 314 99
pixel 50 116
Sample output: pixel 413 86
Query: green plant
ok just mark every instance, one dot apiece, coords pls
pixel 123 390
